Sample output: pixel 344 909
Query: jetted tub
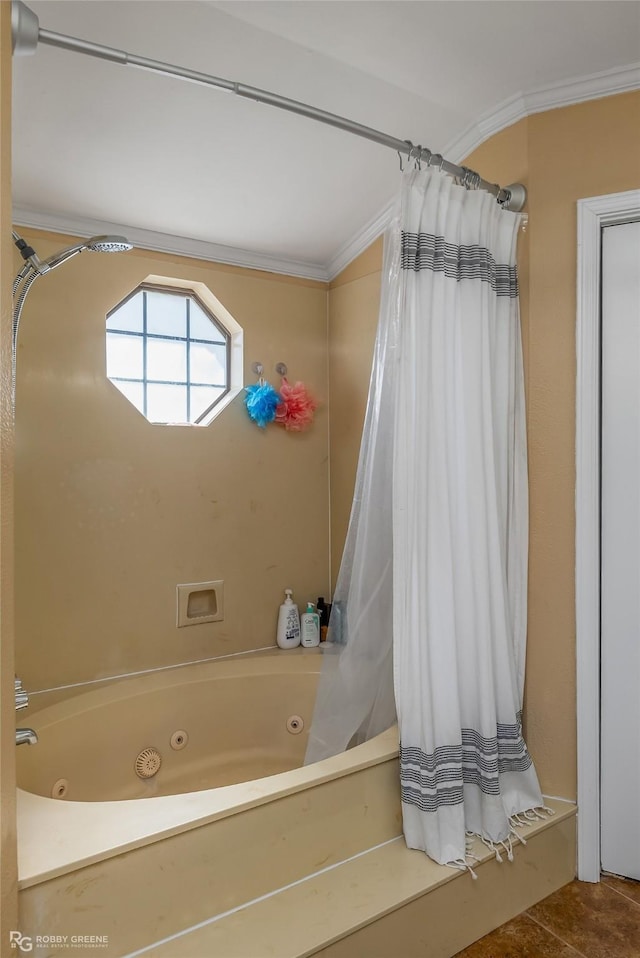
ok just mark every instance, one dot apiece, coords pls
pixel 181 730
pixel 230 814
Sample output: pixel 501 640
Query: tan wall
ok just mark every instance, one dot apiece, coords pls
pixel 353 312
pixel 561 155
pixel 585 150
pixel 113 512
pixel 8 862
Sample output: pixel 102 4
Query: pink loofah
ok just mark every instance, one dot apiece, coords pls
pixel 296 410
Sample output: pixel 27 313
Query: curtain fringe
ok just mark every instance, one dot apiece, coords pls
pixel 520 820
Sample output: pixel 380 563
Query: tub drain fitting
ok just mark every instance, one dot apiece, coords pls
pixel 148 763
pixel 295 724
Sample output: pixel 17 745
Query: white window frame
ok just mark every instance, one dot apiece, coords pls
pixel 224 319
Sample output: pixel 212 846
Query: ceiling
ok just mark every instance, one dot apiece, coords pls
pixel 99 147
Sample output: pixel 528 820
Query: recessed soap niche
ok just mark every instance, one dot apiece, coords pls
pixel 199 602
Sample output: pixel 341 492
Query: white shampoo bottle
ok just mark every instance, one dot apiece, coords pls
pixel 288 634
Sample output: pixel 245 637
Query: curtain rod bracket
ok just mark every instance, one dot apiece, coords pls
pixel 517 197
pixel 25 29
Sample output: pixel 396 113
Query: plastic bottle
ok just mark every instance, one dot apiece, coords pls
pixel 288 633
pixel 310 627
pixel 324 611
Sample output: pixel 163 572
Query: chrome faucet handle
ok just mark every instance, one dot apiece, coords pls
pixel 22 699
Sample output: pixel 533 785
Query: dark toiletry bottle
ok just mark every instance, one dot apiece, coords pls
pixel 323 612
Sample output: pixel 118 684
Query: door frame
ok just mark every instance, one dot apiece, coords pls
pixel 594 213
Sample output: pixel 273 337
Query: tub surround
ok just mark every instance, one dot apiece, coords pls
pixel 56 837
pixel 351 904
pixel 276 832
pixel 437 915
pixel 322 843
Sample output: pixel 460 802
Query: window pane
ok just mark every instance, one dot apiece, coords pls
pixel 134 393
pixel 166 360
pixel 208 364
pixel 200 325
pixel 166 403
pixel 201 398
pixel 166 314
pixel 124 356
pixel 128 316
pixel 168 355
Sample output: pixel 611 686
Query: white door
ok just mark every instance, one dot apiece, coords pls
pixel 620 597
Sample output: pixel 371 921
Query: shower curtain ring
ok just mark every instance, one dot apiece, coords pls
pixel 471 179
pixel 426 155
pixel 465 179
pixel 437 159
pixel 410 145
pixel 415 153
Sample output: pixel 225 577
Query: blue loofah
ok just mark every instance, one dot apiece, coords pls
pixel 261 401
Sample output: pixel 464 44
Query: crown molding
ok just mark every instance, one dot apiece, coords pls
pixel 359 242
pixel 549 97
pixel 167 243
pixel 592 87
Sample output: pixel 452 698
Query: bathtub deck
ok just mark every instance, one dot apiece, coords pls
pixel 390 902
pixel 301 863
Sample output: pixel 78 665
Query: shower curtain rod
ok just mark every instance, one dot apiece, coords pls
pixel 27 33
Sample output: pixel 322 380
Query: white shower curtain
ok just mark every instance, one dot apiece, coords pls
pixel 444 454
pixel 460 518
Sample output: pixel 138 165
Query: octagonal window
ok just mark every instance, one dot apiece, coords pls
pixel 172 353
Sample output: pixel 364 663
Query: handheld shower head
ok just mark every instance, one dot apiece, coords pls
pixel 109 244
pixel 97 244
pixel 35 267
pixel 57 259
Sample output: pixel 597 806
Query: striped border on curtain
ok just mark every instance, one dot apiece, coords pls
pixel 429 780
pixel 426 251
